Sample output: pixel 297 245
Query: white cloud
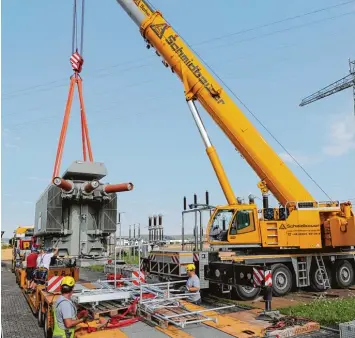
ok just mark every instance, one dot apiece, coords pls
pixel 341 137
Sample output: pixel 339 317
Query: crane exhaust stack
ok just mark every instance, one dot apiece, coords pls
pixel 77 213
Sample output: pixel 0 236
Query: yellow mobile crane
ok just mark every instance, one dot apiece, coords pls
pixel 302 228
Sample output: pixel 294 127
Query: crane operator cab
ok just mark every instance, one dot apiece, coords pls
pixel 234 225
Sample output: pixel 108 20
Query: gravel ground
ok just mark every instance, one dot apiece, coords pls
pixel 17 320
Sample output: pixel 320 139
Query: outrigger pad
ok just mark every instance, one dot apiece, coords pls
pixel 269 315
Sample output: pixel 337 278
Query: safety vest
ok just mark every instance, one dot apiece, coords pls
pixel 57 331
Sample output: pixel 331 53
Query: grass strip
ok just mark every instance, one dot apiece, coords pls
pixel 327 312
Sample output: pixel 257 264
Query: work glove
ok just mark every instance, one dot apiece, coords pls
pixel 183 289
pixel 83 314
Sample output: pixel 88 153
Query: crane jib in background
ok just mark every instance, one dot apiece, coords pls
pixel 337 86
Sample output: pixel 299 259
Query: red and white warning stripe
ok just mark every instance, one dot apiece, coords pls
pixel 196 257
pixel 76 62
pixel 258 277
pixel 175 259
pixel 54 284
pixel 268 278
pixel 138 275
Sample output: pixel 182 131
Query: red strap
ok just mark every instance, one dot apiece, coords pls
pixel 86 145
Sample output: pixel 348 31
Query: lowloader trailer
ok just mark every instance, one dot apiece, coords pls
pixel 161 309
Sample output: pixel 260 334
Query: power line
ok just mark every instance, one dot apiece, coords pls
pixel 273 23
pixel 235 42
pixel 144 65
pixel 248 56
pixel 10 94
pixel 46 119
pixel 284 30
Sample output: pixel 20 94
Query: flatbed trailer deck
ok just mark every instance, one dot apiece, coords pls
pixel 238 323
pixel 14 304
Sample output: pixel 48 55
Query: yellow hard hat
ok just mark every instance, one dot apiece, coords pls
pixel 190 267
pixel 68 280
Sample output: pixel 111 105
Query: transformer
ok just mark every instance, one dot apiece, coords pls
pixel 77 213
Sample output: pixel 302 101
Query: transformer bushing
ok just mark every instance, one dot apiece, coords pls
pixel 77 213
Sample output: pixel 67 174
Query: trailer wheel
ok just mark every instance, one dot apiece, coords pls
pixel 281 280
pixel 316 279
pixel 344 274
pixel 40 315
pixel 47 330
pixel 245 292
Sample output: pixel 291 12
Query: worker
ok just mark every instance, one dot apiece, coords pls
pixel 31 264
pixel 43 263
pixel 65 312
pixel 35 272
pixel 193 285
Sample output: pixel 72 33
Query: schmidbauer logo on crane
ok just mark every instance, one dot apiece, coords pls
pixel 159 30
pixel 195 69
pixel 290 226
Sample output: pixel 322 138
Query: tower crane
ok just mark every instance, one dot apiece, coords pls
pixel 337 86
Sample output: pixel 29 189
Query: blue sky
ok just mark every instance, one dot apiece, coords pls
pixel 140 126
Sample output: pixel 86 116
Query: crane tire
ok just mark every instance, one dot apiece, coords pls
pixel 281 280
pixel 47 330
pixel 316 284
pixel 245 292
pixel 343 273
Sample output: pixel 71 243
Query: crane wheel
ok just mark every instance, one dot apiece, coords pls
pixel 343 273
pixel 47 330
pixel 40 316
pixel 245 292
pixel 281 280
pixel 316 279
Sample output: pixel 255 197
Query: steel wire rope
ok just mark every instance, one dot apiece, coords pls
pixel 202 42
pixel 250 112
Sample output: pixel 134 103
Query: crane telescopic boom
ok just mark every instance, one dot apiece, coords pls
pixel 200 85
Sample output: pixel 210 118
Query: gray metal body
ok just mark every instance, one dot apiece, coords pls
pixel 77 222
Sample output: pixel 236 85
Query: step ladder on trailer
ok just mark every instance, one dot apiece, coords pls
pixel 323 272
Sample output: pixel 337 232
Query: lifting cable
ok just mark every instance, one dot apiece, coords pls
pixel 77 62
